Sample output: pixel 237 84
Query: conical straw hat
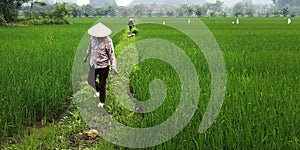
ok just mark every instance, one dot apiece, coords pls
pixel 99 30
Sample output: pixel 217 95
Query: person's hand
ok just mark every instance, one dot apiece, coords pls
pixel 114 71
pixel 85 59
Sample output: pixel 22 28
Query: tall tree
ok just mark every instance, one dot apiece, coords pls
pixel 139 10
pixel 213 8
pixel 189 11
pixel 285 11
pixel 61 11
pixel 170 12
pixel 274 10
pixel 88 10
pixel 75 10
pixel 238 9
pixel 32 3
pixel 283 3
pixel 111 11
pixel 198 11
pixel 10 9
pixel 249 9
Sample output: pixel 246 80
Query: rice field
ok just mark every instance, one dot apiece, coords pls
pixel 36 69
pixel 261 105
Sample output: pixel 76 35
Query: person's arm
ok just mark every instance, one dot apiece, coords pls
pixel 88 51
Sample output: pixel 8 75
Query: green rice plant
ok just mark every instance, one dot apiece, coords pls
pixel 261 107
pixel 36 63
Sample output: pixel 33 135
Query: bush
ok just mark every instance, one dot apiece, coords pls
pixel 62 21
pixel 21 19
pixel 35 22
pixel 2 20
pixel 48 20
pixel 58 16
pixel 67 21
pixel 59 21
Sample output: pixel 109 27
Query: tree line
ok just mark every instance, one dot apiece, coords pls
pixel 283 3
pixel 35 12
pixel 10 10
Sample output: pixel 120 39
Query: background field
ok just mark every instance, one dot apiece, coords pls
pixel 262 57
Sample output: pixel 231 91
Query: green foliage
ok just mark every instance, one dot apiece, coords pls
pixel 111 11
pixel 58 16
pixel 31 15
pixel 67 133
pixel 170 12
pixel 282 3
pixel 61 11
pixel 250 9
pixel 10 8
pixel 224 14
pixel 2 20
pixel 35 22
pixel 42 85
pixel 88 10
pixel 75 10
pixel 198 11
pixel 285 11
pixel 238 9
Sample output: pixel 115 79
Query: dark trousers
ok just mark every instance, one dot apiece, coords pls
pixel 130 28
pixel 100 85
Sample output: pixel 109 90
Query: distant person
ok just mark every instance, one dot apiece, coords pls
pixel 102 54
pixel 130 24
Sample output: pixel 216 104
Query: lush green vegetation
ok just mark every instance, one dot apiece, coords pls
pixel 36 69
pixel 261 106
pixel 260 109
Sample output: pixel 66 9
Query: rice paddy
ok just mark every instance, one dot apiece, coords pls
pixel 261 105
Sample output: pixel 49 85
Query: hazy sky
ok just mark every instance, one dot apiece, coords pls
pixel 227 2
pixel 82 2
pixel 232 2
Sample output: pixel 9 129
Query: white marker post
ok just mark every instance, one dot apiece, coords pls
pixel 289 21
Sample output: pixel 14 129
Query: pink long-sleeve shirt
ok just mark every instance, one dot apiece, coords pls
pixel 102 52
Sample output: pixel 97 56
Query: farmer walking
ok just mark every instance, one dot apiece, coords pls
pixel 102 54
pixel 130 24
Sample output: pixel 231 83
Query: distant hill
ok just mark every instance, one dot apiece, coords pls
pixel 101 3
